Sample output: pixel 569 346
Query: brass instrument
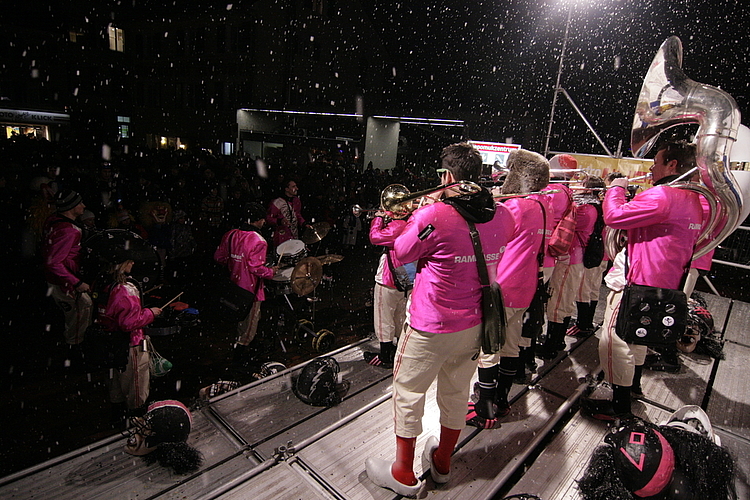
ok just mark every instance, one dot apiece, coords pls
pixel 669 98
pixel 523 195
pixel 397 199
pixel 578 175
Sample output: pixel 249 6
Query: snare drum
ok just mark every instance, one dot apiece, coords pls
pixel 291 252
pixel 281 283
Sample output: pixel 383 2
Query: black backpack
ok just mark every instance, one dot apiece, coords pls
pixel 317 384
pixel 594 253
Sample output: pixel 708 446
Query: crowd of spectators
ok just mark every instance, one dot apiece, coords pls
pixel 182 201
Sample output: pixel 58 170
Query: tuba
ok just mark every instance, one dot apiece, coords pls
pixel 669 98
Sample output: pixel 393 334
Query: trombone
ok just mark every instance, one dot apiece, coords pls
pixel 397 199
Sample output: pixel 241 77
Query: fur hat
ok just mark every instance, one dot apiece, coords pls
pixel 527 172
pixel 67 199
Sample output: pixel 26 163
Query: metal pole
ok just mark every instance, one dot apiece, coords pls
pixel 557 83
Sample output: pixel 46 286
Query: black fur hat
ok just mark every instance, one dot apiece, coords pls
pixel 527 172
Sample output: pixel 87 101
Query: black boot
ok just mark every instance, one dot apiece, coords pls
pixel 621 400
pixel 584 322
pixel 384 359
pixel 482 413
pixel 636 387
pixel 507 369
pixel 555 338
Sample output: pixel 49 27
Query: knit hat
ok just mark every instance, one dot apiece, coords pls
pixel 67 199
pixel 564 161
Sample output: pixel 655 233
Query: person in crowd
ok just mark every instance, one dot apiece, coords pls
pixel 587 296
pixel 120 309
pixel 285 214
pixel 243 250
pixel 61 248
pixel 393 285
pixel 442 338
pixel 527 172
pixel 663 225
pixel 568 270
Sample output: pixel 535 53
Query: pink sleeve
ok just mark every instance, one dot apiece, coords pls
pixel 222 252
pixel 125 308
pixel 59 243
pixel 385 235
pixel 646 209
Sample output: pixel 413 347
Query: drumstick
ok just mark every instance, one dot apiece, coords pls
pixel 154 288
pixel 176 297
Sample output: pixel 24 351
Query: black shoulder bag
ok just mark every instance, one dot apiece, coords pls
pixel 493 312
pixel 533 320
pixel 651 316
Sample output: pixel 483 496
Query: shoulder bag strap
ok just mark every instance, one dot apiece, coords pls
pixel 484 279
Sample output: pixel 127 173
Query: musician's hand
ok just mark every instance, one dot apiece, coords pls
pixel 275 269
pixel 156 311
pixel 620 181
pixel 83 287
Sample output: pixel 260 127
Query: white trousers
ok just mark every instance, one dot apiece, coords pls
pixel 421 358
pixel 389 312
pixel 617 357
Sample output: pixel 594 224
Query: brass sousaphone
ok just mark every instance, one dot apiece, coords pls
pixel 669 98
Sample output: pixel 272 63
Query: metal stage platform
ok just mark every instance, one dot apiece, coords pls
pixel 261 442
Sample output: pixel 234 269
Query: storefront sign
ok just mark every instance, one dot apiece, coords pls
pixel 21 116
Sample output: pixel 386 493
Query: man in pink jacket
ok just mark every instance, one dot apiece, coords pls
pixel 663 224
pixel 243 251
pixel 567 274
pixel 285 215
pixel 390 294
pixel 61 251
pixel 517 275
pixel 445 317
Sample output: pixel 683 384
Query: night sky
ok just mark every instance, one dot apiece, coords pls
pixel 499 58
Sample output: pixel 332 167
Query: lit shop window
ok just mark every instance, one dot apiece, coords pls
pixel 115 38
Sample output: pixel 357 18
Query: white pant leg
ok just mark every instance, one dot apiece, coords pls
pixel 618 358
pixel 76 309
pixel 389 312
pixel 422 357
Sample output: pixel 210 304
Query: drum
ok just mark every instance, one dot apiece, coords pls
pixel 291 252
pixel 281 283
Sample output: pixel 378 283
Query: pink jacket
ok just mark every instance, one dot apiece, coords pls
pixel 124 312
pixel 61 251
pixel 446 297
pixel 245 259
pixel 385 235
pixel 560 201
pixel 275 218
pixel 585 219
pixel 663 224
pixel 518 270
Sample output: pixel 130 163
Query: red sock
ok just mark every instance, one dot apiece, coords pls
pixel 403 468
pixel 442 456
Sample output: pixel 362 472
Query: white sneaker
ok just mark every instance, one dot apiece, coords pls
pixel 379 472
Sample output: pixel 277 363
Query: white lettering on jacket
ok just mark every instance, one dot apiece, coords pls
pixel 488 257
pixel 695 226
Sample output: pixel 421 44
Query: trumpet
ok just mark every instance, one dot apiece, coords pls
pixel 579 175
pixel 523 195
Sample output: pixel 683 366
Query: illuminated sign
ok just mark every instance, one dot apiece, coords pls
pixel 495 151
pixel 23 116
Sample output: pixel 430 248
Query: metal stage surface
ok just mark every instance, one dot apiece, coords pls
pixel 261 442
